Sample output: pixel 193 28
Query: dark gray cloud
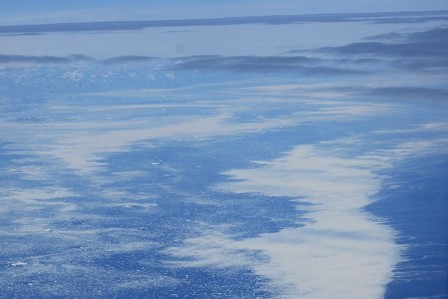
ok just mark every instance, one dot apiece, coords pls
pixel 126 59
pixel 242 62
pixel 402 20
pixel 392 36
pixel 24 34
pixel 411 93
pixel 435 34
pixel 397 93
pixel 179 31
pixel 258 64
pixel 271 20
pixel 408 49
pixel 431 43
pixel 6 59
pixel 417 50
pixel 253 64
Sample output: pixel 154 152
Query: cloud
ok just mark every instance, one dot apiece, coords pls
pixel 302 64
pixel 403 17
pixel 308 65
pixel 178 31
pixel 396 92
pixel 427 127
pixel 24 34
pixel 431 43
pixel 411 93
pixel 423 50
pixel 13 59
pixel 385 36
pixel 401 20
pixel 126 59
pixel 431 35
pixel 47 59
pixel 409 49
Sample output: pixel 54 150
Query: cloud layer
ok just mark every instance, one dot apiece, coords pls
pixel 394 17
pixel 301 64
pixel 7 59
pixel 412 51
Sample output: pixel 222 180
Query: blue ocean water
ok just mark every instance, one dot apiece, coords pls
pixel 417 210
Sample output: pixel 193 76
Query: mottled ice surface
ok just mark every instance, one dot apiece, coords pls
pixel 283 163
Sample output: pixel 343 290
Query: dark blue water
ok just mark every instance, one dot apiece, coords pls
pixel 418 211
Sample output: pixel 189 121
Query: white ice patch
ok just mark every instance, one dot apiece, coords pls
pixel 19 264
pixel 342 252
